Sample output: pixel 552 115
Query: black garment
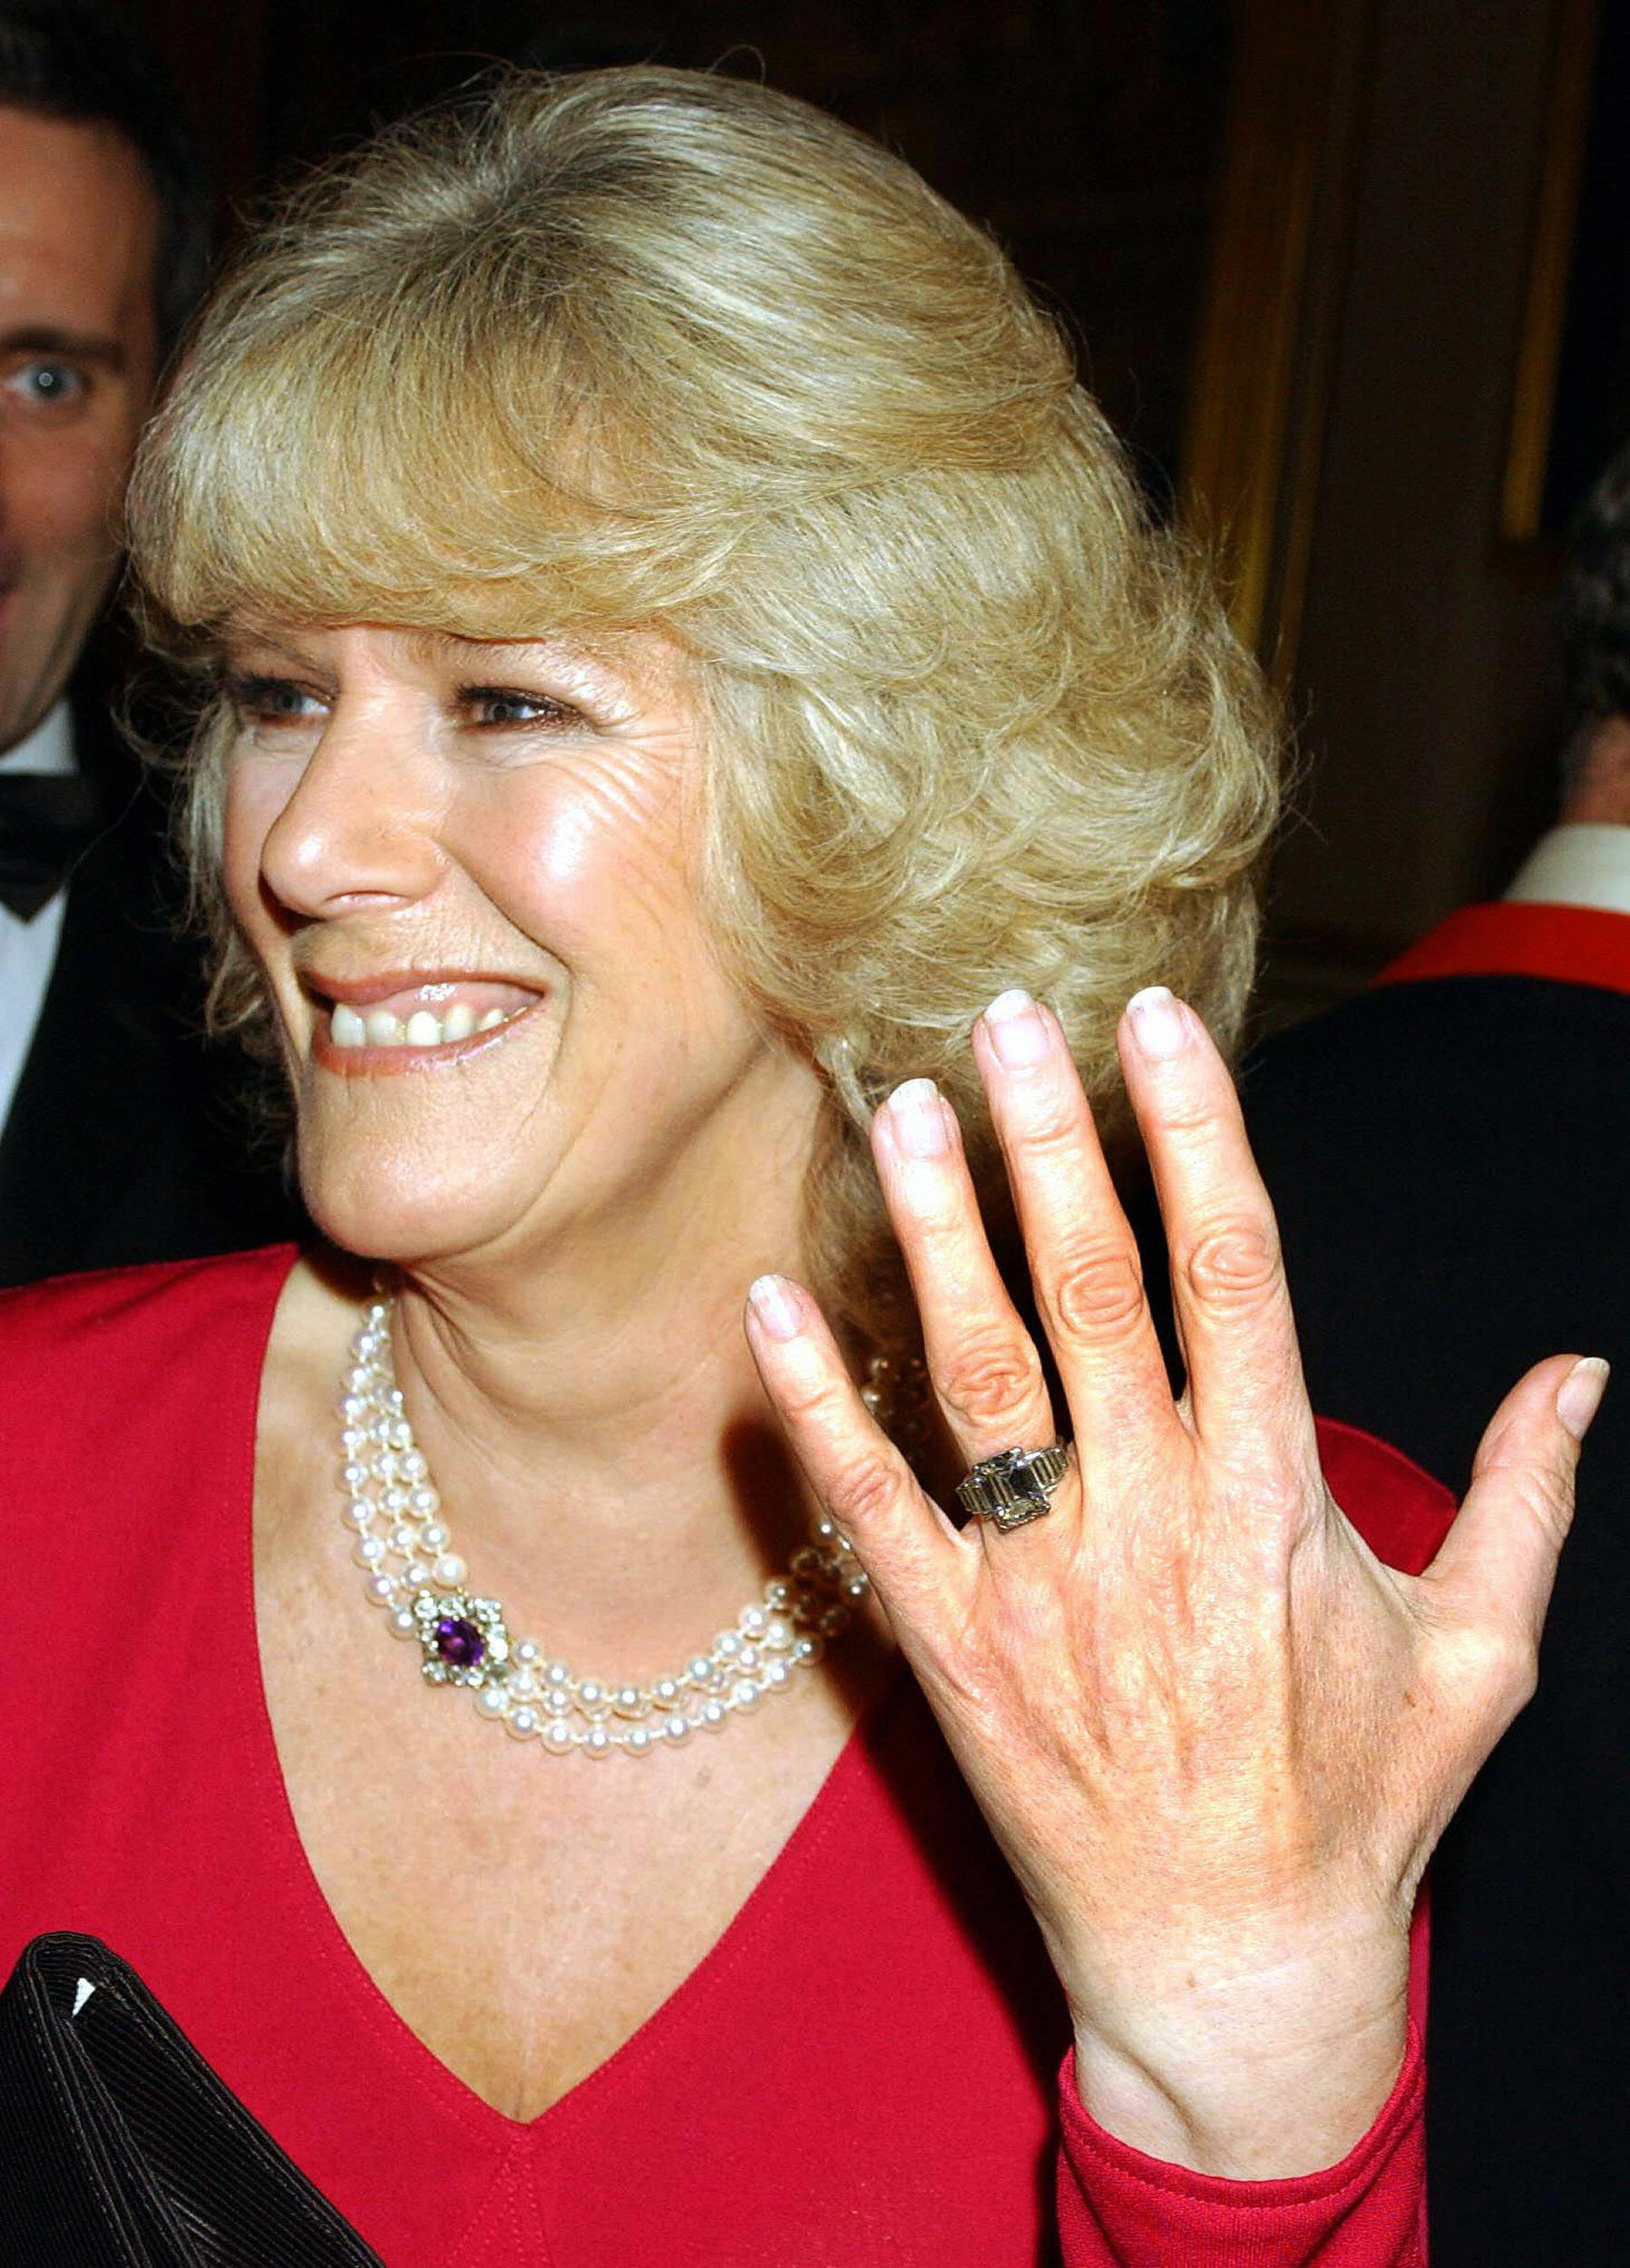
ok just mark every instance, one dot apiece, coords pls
pixel 1451 1161
pixel 125 1140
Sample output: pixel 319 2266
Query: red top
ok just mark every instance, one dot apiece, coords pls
pixel 1573 945
pixel 863 2070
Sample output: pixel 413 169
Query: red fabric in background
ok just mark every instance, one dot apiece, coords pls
pixel 861 2072
pixel 1570 944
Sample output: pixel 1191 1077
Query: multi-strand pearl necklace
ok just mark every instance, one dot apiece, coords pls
pixel 405 1552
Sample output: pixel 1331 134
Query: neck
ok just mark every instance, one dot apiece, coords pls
pixel 608 1461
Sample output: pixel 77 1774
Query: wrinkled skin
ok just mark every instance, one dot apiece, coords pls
pixel 1215 1737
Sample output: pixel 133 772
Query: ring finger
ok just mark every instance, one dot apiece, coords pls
pixel 983 1367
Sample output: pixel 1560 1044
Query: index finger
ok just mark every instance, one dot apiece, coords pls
pixel 1228 1287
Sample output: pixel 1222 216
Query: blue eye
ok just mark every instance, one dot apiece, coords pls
pixel 48 384
pixel 500 705
pixel 271 700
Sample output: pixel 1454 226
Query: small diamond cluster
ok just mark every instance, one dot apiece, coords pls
pixel 413 1573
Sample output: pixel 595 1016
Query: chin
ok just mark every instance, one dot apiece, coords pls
pixel 386 1207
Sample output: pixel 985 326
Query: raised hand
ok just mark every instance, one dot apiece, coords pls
pixel 1215 1737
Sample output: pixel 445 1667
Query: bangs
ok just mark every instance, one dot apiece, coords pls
pixel 417 465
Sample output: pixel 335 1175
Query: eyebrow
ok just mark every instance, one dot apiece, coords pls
pixel 44 339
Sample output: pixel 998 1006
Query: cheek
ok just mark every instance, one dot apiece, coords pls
pixel 62 497
pixel 250 803
pixel 602 853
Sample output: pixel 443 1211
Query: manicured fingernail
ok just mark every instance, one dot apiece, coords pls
pixel 1157 1023
pixel 1017 1031
pixel 919 1119
pixel 777 1305
pixel 1579 1396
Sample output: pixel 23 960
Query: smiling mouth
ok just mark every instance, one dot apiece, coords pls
pixel 418 1020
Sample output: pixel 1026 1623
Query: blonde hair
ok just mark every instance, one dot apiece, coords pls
pixel 649 348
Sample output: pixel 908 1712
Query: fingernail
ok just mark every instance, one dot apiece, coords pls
pixel 1018 1032
pixel 1157 1023
pixel 918 1117
pixel 1579 1396
pixel 777 1305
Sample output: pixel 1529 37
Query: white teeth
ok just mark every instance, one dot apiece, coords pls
pixel 378 1028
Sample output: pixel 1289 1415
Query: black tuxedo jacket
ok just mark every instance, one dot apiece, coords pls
pixel 1450 1162
pixel 126 1139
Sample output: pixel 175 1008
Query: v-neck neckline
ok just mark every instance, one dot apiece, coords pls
pixel 403 2049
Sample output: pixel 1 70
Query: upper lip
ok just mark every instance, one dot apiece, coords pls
pixel 362 991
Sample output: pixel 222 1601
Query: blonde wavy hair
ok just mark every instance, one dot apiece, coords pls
pixel 649 348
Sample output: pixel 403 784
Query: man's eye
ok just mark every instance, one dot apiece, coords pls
pixel 47 385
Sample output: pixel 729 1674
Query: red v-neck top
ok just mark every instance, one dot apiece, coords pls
pixel 864 2072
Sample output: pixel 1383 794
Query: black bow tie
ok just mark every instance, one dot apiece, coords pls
pixel 46 821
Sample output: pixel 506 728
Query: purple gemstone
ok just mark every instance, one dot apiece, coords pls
pixel 459 1642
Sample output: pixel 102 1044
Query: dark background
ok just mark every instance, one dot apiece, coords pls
pixel 1178 177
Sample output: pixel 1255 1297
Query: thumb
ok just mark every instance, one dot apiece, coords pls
pixel 1498 1560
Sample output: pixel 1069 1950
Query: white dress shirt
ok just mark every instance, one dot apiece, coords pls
pixel 28 949
pixel 1581 864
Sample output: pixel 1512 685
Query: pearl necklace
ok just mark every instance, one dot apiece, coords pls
pixel 405 1551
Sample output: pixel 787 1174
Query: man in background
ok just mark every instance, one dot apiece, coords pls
pixel 116 1138
pixel 1449 1157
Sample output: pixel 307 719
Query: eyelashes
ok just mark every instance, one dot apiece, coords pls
pixel 268 702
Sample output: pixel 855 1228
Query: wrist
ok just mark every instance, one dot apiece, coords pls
pixel 1251 2069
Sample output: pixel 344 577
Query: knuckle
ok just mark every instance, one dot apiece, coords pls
pixel 1098 1292
pixel 1235 1264
pixel 986 1380
pixel 865 1487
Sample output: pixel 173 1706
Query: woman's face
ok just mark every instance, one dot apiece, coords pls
pixel 467 872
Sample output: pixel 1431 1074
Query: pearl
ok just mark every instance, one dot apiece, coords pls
pixel 384 1474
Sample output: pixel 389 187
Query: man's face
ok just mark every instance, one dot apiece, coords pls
pixel 79 226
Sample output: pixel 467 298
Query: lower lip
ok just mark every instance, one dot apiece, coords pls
pixel 372 1062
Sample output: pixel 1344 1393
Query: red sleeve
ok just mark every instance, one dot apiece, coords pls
pixel 1120 2209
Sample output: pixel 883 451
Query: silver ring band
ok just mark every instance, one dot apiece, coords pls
pixel 1016 1485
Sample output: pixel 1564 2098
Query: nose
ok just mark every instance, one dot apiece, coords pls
pixel 358 828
